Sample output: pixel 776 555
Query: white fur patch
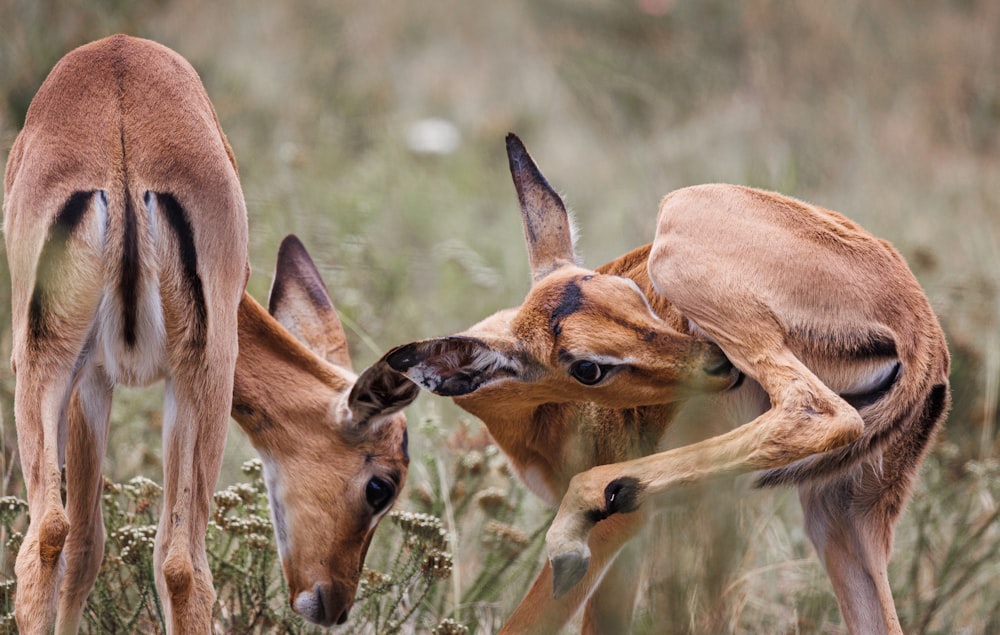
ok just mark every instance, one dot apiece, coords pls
pixel 308 605
pixel 275 496
pixel 145 362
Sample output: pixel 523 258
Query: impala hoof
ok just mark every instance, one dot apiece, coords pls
pixel 567 570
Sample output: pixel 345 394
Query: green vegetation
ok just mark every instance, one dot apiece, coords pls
pixel 887 112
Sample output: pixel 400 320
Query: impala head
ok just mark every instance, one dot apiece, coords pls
pixel 579 335
pixel 333 444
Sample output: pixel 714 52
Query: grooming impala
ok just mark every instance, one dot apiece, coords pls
pixel 742 293
pixel 126 233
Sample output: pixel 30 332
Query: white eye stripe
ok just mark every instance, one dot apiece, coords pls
pixel 645 300
pixel 600 360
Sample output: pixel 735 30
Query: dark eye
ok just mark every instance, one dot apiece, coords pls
pixel 379 492
pixel 586 372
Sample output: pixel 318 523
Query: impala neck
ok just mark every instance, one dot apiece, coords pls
pixel 549 443
pixel 279 384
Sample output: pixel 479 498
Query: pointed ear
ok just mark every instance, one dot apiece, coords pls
pixel 380 391
pixel 452 366
pixel 547 226
pixel 300 302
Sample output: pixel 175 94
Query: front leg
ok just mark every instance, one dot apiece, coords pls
pixel 542 614
pixel 809 420
pixel 612 604
pixel 582 509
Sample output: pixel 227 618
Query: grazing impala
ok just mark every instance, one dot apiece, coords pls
pixel 741 291
pixel 334 445
pixel 126 235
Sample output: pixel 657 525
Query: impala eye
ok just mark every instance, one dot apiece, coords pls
pixel 586 372
pixel 379 493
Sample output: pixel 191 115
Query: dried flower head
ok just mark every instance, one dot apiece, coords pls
pixel 135 544
pixel 449 626
pixel 10 508
pixel 14 541
pixel 424 529
pixel 492 500
pixel 473 462
pixel 437 565
pixel 253 467
pixel 142 487
pixel 373 582
pixel 506 537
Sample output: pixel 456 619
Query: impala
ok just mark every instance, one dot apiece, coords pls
pixel 747 294
pixel 126 235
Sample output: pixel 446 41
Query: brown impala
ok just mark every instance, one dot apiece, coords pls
pixel 126 233
pixel 741 291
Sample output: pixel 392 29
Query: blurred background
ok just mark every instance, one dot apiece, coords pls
pixel 374 130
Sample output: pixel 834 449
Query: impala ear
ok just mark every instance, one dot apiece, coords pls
pixel 547 226
pixel 452 366
pixel 300 302
pixel 380 391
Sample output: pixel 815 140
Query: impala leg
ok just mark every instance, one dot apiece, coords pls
pixel 806 418
pixel 87 420
pixel 854 544
pixel 611 605
pixel 196 413
pixel 540 613
pixel 39 402
pixel 851 521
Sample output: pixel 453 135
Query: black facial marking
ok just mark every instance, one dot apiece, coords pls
pixel 178 220
pixel 406 445
pixel 250 419
pixel 65 222
pixel 569 303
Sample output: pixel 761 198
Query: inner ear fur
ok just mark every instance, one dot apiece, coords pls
pixel 301 303
pixel 380 391
pixel 452 366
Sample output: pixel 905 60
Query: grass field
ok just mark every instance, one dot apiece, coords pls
pixel 888 112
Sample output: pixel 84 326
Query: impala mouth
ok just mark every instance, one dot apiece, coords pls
pixel 722 368
pixel 322 605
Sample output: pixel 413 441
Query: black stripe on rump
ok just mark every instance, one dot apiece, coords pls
pixel 875 343
pixel 128 284
pixel 179 222
pixel 49 261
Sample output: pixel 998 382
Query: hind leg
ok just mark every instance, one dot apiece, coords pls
pixel 40 562
pixel 196 416
pixel 853 540
pixel 89 411
pixel 851 520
